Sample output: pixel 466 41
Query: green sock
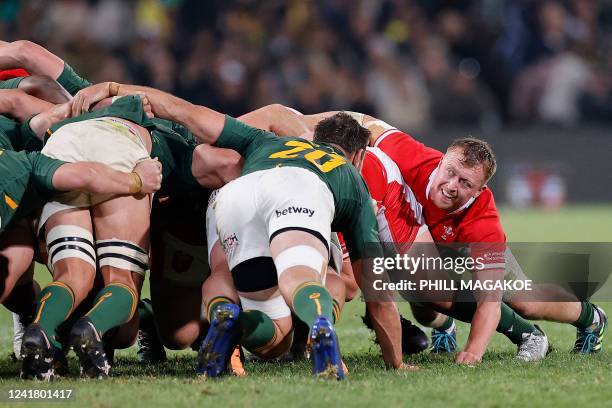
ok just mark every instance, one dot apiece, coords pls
pixel 115 305
pixel 448 323
pixel 336 311
pixel 257 329
pixel 586 316
pixel 463 311
pixel 512 325
pixel 214 303
pixel 55 304
pixel 311 300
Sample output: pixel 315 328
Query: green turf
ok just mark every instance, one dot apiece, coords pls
pixel 561 380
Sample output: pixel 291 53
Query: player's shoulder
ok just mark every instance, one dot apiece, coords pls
pixel 481 220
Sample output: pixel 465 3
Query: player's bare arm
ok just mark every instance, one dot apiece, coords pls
pixel 31 57
pixel 279 119
pixel 44 120
pixel 99 178
pixel 485 320
pixel 214 167
pixel 19 105
pixel 205 123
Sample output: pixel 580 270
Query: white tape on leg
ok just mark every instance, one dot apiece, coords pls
pixel 299 255
pixel 70 241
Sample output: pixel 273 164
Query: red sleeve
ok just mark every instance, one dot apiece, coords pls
pixel 345 254
pixel 415 160
pixel 375 176
pixel 484 232
pixel 13 73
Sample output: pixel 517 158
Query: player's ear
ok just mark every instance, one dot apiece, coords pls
pixel 358 158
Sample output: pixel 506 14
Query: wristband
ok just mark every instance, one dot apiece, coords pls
pixel 113 89
pixel 135 183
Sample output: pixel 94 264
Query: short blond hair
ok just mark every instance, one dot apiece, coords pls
pixel 476 152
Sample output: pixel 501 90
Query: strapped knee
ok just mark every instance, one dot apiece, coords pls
pixel 70 241
pixel 123 255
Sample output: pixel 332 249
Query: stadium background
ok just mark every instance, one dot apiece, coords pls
pixel 532 77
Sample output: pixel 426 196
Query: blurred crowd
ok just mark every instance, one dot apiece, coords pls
pixel 415 63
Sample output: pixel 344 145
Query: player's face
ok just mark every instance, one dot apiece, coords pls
pixel 454 184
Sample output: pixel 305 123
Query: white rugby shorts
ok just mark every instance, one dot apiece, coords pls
pixel 103 140
pixel 253 208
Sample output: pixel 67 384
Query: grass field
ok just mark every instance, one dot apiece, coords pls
pixel 561 380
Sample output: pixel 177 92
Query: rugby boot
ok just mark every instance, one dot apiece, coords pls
pixel 89 348
pixel 237 362
pixel 443 341
pixel 299 346
pixel 325 350
pixel 37 354
pixel 220 341
pixel 414 340
pixel 41 359
pixel 150 348
pixel 589 340
pixel 534 346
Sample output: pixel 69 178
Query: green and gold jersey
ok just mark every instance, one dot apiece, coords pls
pixel 354 215
pixel 26 183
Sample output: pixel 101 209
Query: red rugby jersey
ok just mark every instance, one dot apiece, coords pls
pixel 12 73
pixel 476 222
pixel 398 212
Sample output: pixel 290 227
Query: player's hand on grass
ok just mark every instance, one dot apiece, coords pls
pixel 150 173
pixel 465 357
pixel 87 97
pixel 408 367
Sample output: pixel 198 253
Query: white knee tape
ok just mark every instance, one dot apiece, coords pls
pixel 70 241
pixel 122 254
pixel 275 308
pixel 300 255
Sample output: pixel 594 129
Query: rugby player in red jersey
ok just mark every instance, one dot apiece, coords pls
pixel 459 208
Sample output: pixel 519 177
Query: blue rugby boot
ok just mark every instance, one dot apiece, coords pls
pixel 325 350
pixel 443 341
pixel 589 340
pixel 220 341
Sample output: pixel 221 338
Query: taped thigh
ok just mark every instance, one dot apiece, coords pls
pixel 123 255
pixel 70 241
pixel 275 308
pixel 300 255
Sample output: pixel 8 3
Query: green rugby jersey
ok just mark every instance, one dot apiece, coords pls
pixel 5 141
pixel 12 83
pixel 354 215
pixel 26 183
pixel 20 135
pixel 71 81
pixel 172 143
